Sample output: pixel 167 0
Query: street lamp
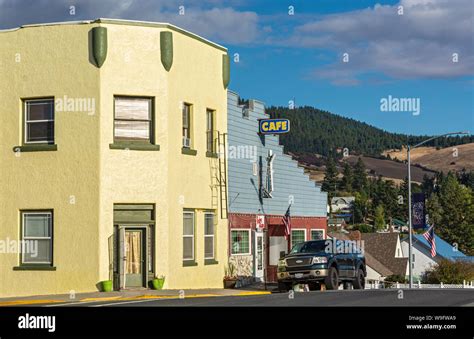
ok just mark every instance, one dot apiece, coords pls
pixel 410 255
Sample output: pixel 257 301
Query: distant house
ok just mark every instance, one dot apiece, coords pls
pixel 398 225
pixel 422 259
pixel 339 223
pixel 342 204
pixel 383 253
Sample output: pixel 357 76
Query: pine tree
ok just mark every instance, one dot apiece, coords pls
pixel 360 176
pixel 427 185
pixel 457 218
pixel 330 178
pixel 348 177
pixel 434 210
pixel 379 221
pixel 361 207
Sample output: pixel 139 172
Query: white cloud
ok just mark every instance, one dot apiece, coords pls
pixel 224 24
pixel 418 44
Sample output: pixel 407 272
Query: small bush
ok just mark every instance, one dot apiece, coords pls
pixel 396 278
pixel 449 272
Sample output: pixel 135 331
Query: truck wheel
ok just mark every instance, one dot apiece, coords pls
pixel 332 280
pixel 284 287
pixel 359 281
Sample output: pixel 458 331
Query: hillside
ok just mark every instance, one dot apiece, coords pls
pixel 388 169
pixel 391 169
pixel 321 132
pixel 445 159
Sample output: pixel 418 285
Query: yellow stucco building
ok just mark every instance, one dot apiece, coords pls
pixel 109 167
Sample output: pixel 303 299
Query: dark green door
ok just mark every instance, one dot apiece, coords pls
pixel 134 259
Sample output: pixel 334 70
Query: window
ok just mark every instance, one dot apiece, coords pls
pixel 240 240
pixel 37 235
pixel 210 131
pixel 297 236
pixel 133 119
pixel 317 234
pixel 188 236
pixel 39 121
pixel 187 125
pixel 209 236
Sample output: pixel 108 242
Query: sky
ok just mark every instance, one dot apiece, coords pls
pixel 343 56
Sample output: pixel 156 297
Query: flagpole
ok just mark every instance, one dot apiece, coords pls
pixel 410 237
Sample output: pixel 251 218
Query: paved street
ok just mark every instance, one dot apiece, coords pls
pixel 427 297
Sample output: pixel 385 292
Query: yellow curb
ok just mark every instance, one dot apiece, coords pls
pixel 100 299
pixel 148 297
pixel 201 296
pixel 242 294
pixel 28 302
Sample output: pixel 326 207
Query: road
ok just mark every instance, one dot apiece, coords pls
pixel 425 297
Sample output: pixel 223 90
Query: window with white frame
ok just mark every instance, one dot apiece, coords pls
pixel 297 236
pixel 133 119
pixel 317 234
pixel 209 236
pixel 240 241
pixel 37 236
pixel 39 121
pixel 188 235
pixel 186 125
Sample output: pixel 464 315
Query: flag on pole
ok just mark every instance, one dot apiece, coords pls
pixel 287 222
pixel 430 237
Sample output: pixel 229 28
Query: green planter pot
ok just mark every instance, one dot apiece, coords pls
pixel 107 286
pixel 157 283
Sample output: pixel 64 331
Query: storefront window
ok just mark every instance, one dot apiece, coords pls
pixel 240 242
pixel 297 236
pixel 317 234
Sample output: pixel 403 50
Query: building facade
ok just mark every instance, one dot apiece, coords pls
pixel 421 251
pixel 265 184
pixel 109 157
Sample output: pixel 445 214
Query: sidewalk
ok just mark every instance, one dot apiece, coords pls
pixel 133 294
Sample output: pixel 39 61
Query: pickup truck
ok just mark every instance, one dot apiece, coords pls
pixel 329 262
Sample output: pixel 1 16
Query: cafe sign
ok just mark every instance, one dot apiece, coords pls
pixel 273 126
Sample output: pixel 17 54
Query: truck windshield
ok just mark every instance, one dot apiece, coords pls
pixel 310 247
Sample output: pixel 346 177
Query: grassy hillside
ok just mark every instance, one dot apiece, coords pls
pixel 454 158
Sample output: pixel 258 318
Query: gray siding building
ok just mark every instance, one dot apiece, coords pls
pixel 263 185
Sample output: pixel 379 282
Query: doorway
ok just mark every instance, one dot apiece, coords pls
pixel 133 256
pixel 259 256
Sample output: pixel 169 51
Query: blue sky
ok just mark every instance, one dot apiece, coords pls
pixel 300 56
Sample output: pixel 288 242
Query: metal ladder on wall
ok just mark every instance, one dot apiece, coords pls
pixel 222 173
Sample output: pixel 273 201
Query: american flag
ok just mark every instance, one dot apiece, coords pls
pixel 430 237
pixel 287 222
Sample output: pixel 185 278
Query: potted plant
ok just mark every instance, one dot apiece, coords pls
pixel 158 282
pixel 106 286
pixel 230 279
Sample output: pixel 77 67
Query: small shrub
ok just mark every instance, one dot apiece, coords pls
pixel 449 272
pixel 396 278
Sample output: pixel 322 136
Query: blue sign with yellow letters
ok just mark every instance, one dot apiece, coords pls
pixel 274 126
